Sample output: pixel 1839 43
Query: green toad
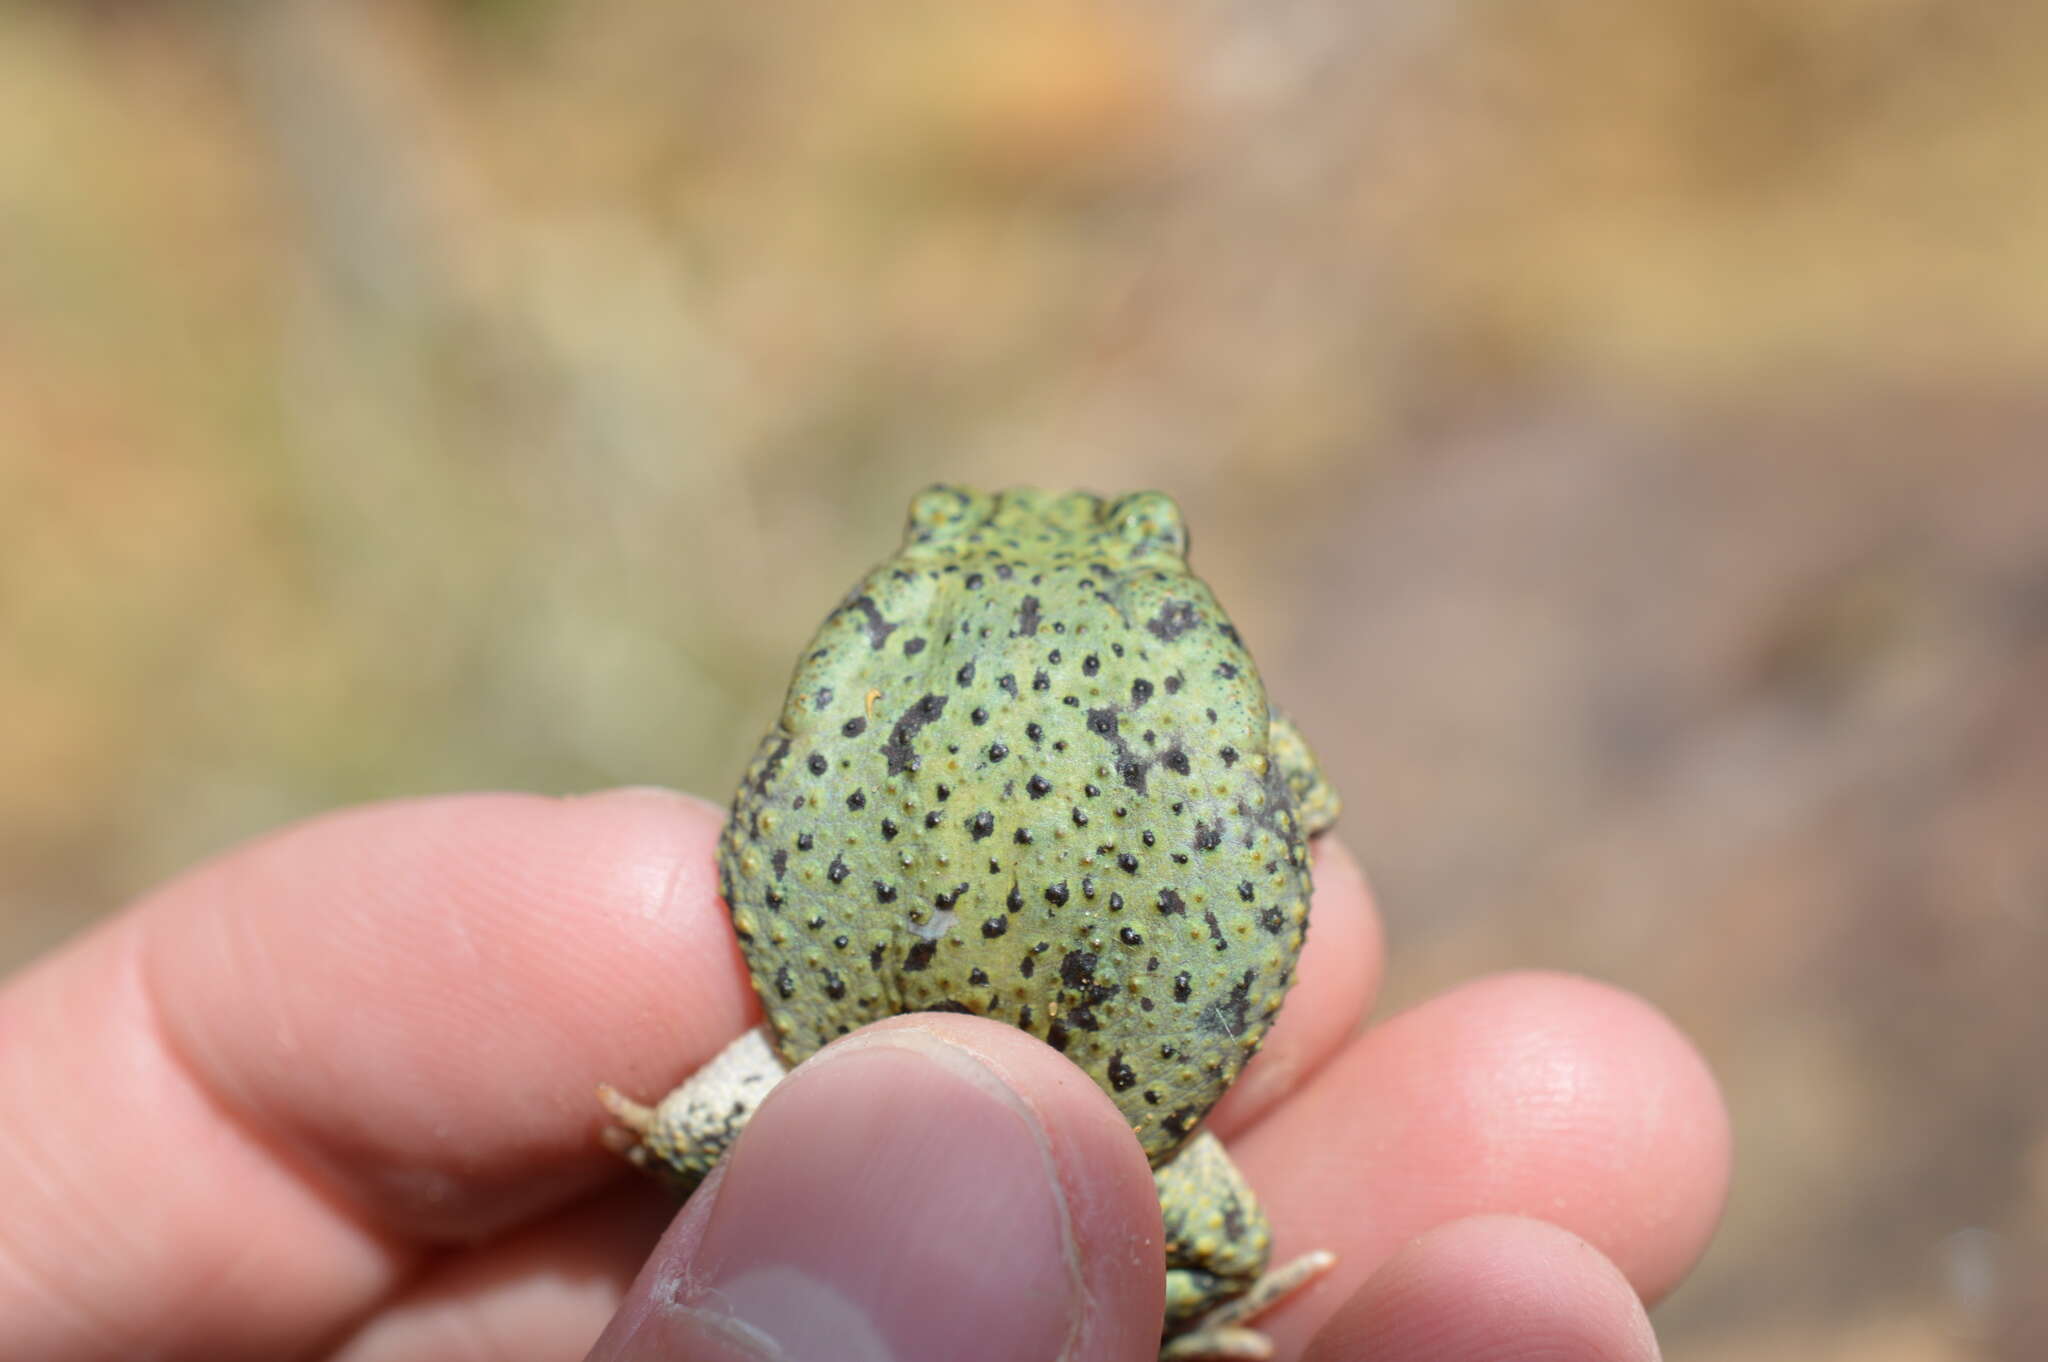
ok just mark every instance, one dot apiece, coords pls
pixel 1027 770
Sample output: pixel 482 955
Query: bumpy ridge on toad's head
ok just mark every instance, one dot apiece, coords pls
pixel 1025 771
pixel 1138 525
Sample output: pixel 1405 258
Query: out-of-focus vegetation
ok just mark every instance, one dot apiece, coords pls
pixel 1618 426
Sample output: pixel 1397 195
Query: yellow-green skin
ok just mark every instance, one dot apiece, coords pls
pixel 1027 770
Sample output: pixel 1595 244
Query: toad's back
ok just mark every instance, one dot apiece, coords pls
pixel 1025 771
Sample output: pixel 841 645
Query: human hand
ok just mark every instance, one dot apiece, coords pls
pixel 330 1096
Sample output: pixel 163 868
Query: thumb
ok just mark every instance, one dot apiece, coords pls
pixel 931 1188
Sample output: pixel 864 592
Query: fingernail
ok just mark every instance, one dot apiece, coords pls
pixel 894 1200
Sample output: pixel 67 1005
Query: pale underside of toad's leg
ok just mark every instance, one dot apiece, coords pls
pixel 1315 800
pixel 683 1136
pixel 1217 1243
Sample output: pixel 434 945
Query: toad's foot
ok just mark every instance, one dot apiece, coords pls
pixel 1221 1333
pixel 1216 1246
pixel 683 1136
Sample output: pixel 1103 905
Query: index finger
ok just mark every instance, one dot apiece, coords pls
pixel 241 1111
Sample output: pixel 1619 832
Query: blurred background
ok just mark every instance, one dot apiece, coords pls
pixel 1616 426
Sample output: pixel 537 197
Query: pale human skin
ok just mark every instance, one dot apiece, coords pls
pixel 327 1096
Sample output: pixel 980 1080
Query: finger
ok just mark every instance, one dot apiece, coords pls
pixel 1490 1289
pixel 1525 1094
pixel 413 1000
pixel 1335 982
pixel 539 1294
pixel 935 1187
pixel 378 1026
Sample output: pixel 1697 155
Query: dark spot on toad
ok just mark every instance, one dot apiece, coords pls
pixel 919 956
pixel 1122 1076
pixel 902 757
pixel 1171 903
pixel 1225 1017
pixel 1038 787
pixel 1027 617
pixel 982 824
pixel 1132 771
pixel 1174 619
pixel 878 629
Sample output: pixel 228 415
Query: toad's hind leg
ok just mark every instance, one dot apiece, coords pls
pixel 1217 1243
pixel 1315 800
pixel 683 1136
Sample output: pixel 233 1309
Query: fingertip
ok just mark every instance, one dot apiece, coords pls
pixel 1490 1287
pixel 1538 1094
pixel 1632 1099
pixel 932 1187
pixel 416 998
